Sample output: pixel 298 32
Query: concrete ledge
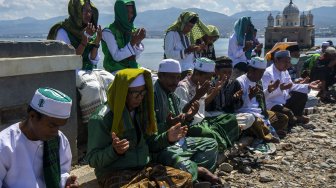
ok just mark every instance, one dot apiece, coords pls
pixel 41 64
pixel 86 177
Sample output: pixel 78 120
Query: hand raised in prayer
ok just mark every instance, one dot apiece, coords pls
pixel 99 35
pixel 273 86
pixel 201 90
pixel 248 45
pixel 221 82
pixel 170 120
pixel 284 86
pixel 238 94
pixel 194 107
pixel 253 91
pixel 138 36
pixel 192 48
pixel 316 85
pixel 176 132
pixel 90 29
pixel 119 146
pixel 72 182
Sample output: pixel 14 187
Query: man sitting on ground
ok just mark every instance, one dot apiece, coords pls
pixel 196 155
pixel 34 153
pixel 124 131
pixel 285 96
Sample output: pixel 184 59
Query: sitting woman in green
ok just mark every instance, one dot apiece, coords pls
pixel 121 42
pixel 124 131
pixel 81 31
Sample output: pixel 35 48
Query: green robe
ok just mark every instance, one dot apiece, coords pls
pixel 101 155
pixel 194 152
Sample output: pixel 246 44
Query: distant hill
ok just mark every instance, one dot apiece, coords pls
pixel 156 21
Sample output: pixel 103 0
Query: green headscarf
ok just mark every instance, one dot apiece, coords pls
pixel 240 28
pixel 74 23
pixel 199 30
pixel 121 18
pixel 183 19
pixel 116 100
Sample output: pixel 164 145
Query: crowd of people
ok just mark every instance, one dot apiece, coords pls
pixel 169 131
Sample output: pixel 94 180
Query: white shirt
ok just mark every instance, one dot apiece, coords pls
pixel 186 90
pixel 21 160
pixel 117 53
pixel 279 97
pixel 174 49
pixel 62 35
pixel 236 52
pixel 250 105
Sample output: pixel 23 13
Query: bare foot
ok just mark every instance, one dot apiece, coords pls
pixel 206 175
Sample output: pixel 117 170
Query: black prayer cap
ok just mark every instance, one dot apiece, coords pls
pixel 293 48
pixel 223 62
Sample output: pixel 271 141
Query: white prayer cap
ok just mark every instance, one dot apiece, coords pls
pixel 325 44
pixel 282 53
pixel 169 65
pixel 258 63
pixel 330 50
pixel 138 81
pixel 205 65
pixel 52 103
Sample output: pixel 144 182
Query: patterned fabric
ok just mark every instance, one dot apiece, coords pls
pixel 151 177
pixel 51 163
pixel 225 101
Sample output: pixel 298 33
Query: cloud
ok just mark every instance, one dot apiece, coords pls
pixel 44 9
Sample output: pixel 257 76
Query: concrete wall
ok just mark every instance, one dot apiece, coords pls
pixel 20 77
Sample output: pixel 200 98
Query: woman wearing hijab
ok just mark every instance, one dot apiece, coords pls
pixel 241 45
pixel 124 131
pixel 121 40
pixel 206 38
pixel 177 43
pixel 80 30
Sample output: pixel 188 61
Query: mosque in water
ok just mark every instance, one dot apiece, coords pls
pixel 290 27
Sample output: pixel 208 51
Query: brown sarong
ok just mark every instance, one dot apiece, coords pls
pixel 151 177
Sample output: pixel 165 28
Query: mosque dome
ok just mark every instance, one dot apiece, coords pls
pixel 291 9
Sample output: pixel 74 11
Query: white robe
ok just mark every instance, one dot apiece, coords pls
pixel 236 52
pixel 249 105
pixel 279 97
pixel 62 35
pixel 174 49
pixel 21 160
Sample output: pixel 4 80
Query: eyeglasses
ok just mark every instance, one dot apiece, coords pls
pixel 137 94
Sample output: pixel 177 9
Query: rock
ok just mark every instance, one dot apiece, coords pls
pixel 319 135
pixel 285 162
pixel 226 167
pixel 325 165
pixel 330 161
pixel 273 167
pixel 332 176
pixel 265 177
pixel 221 173
pixel 290 153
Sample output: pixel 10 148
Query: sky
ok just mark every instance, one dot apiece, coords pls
pixel 45 9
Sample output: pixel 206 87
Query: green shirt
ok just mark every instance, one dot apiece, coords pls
pixel 101 154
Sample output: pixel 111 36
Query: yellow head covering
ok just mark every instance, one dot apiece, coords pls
pixel 116 99
pixel 278 46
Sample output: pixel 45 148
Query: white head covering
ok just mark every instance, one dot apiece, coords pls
pixel 282 53
pixel 138 81
pixel 52 103
pixel 205 65
pixel 325 44
pixel 169 65
pixel 258 63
